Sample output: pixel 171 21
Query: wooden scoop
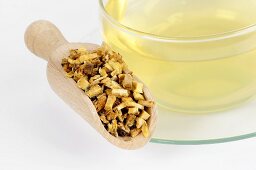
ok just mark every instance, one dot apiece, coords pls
pixel 46 41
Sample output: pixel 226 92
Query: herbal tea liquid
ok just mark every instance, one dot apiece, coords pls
pixel 187 76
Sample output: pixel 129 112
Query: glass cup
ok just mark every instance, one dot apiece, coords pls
pixel 195 56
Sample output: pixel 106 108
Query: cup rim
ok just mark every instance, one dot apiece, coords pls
pixel 193 39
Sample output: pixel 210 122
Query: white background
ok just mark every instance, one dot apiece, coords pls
pixel 38 131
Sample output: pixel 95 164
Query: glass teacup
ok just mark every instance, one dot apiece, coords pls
pixel 195 56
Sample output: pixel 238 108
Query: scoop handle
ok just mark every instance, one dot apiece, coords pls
pixel 42 38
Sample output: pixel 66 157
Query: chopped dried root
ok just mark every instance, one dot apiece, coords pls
pixel 107 81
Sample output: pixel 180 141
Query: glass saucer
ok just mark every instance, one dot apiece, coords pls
pixel 193 129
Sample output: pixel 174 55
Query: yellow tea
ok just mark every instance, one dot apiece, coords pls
pixel 193 56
